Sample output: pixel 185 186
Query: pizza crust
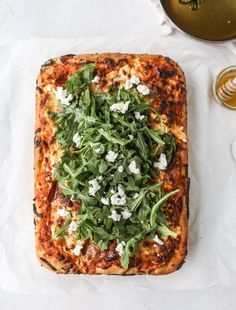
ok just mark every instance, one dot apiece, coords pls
pixel 57 255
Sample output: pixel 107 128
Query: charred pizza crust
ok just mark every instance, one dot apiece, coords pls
pixel 168 93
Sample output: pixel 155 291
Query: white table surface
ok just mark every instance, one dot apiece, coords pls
pixel 71 19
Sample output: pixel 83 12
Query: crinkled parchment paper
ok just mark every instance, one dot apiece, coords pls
pixel 211 128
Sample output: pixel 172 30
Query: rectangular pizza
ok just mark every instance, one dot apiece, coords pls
pixel 111 165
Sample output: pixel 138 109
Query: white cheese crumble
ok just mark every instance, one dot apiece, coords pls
pixel 115 216
pixel 62 96
pixel 143 89
pixel 128 84
pixel 133 167
pixel 111 156
pixel 77 139
pixel 77 249
pixel 105 201
pixel 62 212
pixel 138 116
pixel 120 107
pixel 96 79
pixel 121 190
pixel 126 214
pixel 120 169
pixel 120 247
pixel 135 195
pixel 72 227
pixel 158 240
pixel 119 198
pixel 135 80
pixel 131 137
pixel 161 164
pixel 94 187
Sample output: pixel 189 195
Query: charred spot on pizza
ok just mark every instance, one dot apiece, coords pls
pixel 65 58
pixel 165 73
pixel 39 89
pixel 110 63
pixel 49 63
pixel 45 261
pixel 52 191
pixel 180 265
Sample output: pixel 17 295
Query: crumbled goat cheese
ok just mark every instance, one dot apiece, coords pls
pixel 77 139
pixel 119 198
pixel 77 249
pixel 126 214
pixel 61 94
pixel 138 116
pixel 133 167
pixel 96 79
pixel 120 107
pixel 120 247
pixel 72 227
pixel 143 89
pixel 161 164
pixel 111 156
pixel 128 84
pixel 121 190
pixel 131 137
pixel 62 212
pixel 158 240
pixel 105 201
pixel 120 169
pixel 94 187
pixel 115 216
pixel 135 79
pixel 135 195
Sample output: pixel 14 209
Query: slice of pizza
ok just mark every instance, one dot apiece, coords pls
pixel 111 177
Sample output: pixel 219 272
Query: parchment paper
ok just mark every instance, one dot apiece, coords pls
pixel 211 259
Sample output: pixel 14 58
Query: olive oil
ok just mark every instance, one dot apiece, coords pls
pixel 226 75
pixel 214 20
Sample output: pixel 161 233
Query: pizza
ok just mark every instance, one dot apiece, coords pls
pixel 111 165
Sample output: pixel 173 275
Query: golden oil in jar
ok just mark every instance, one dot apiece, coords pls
pixel 224 76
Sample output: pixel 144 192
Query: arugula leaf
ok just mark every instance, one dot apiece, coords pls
pixel 78 80
pixel 158 204
pixel 129 250
pixel 154 135
pixel 165 231
pixel 142 194
pixel 60 232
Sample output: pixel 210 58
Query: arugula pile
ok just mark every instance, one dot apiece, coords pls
pixel 99 143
